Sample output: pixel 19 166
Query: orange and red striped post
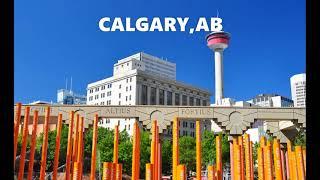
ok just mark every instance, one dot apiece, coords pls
pixel 118 171
pixel 16 130
pixel 260 164
pixel 198 149
pixel 116 144
pixel 277 159
pixel 24 143
pixel 304 154
pixel 247 156
pixel 234 142
pixel 94 148
pixel 33 144
pixel 107 169
pixel 267 162
pixel 76 171
pixel 45 145
pixel 149 171
pixel 57 149
pixel 175 147
pixel 211 173
pixel 156 162
pixel 300 165
pixel 114 171
pixel 284 177
pixel 136 152
pixel 80 146
pixel 237 162
pixel 251 160
pixel 240 140
pixel 153 147
pixel 69 147
pixel 231 160
pixel 75 139
pixel 218 158
pixel 181 172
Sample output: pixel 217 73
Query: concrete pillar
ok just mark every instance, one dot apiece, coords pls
pixel 148 95
pixel 33 144
pixel 69 147
pixel 57 148
pixel 24 143
pixel 218 56
pixel 115 144
pixel 180 95
pixel 198 149
pixel 175 147
pixel 165 98
pixel 157 96
pixel 94 147
pixel 17 119
pixel 45 145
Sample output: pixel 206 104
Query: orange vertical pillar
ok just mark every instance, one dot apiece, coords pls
pixel 231 160
pixel 181 172
pixel 283 165
pixel 247 156
pixel 94 148
pixel 219 157
pixel 159 160
pixel 118 171
pixel 33 144
pixel 106 172
pixel 300 165
pixel 149 171
pixel 153 146
pixel 45 145
pixel 116 144
pixel 57 148
pixel 240 140
pixel 260 164
pixel 211 173
pixel 304 154
pixel 294 166
pixel 16 131
pixel 198 149
pixel 114 171
pixel 234 142
pixel 75 140
pixel 69 147
pixel 267 162
pixel 237 163
pixel 156 162
pixel 277 159
pixel 175 147
pixel 80 146
pixel 251 161
pixel 24 143
pixel 76 169
pixel 136 152
pixel 287 165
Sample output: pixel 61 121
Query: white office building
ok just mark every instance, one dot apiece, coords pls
pixel 142 79
pixel 298 89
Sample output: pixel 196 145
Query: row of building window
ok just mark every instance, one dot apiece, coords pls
pixel 144 98
pixel 102 88
pixel 102 95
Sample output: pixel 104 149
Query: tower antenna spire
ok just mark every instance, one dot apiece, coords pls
pixel 217 13
pixel 71 85
pixel 66 83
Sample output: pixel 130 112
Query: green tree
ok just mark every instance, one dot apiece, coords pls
pixel 145 151
pixel 208 148
pixel 300 139
pixel 166 157
pixel 187 152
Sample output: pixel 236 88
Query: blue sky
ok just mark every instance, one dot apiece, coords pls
pixel 59 39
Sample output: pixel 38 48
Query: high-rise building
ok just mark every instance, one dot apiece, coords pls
pixel 142 79
pixel 298 89
pixel 65 96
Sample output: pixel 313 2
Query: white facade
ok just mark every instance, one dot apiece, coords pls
pixel 142 79
pixel 298 89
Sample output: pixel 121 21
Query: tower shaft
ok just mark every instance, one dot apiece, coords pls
pixel 218 56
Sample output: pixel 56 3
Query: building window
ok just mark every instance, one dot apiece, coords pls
pixel 198 102
pixel 130 97
pixel 130 81
pixel 97 89
pixel 127 80
pixel 161 96
pixel 96 96
pixel 90 98
pixel 169 98
pixel 130 88
pixel 127 64
pixel 184 100
pixel 191 100
pixel 119 95
pixel 204 102
pixel 103 95
pixel 177 99
pixel 127 88
pixel 119 102
pixel 153 95
pixel 144 95
pixel 126 98
pixel 120 86
pixel 103 87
